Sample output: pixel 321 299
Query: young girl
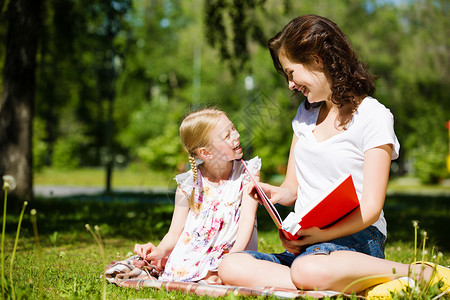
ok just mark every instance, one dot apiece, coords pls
pixel 340 129
pixel 212 215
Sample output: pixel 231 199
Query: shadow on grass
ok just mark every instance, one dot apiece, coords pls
pixel 432 212
pixel 147 216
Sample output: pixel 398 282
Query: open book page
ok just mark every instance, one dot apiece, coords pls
pixel 264 199
pixel 291 223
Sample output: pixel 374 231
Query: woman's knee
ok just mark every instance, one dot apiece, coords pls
pixel 309 273
pixel 232 267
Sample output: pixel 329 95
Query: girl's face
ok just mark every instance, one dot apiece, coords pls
pixel 225 140
pixel 310 80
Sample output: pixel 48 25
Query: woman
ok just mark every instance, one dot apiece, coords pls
pixel 339 130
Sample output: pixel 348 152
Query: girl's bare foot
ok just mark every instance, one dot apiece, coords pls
pixel 212 278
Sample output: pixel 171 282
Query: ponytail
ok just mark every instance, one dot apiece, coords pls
pixel 194 174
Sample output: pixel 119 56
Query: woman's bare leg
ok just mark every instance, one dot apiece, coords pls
pixel 244 270
pixel 342 268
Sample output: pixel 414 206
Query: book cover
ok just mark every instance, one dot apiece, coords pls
pixel 335 204
pixel 326 210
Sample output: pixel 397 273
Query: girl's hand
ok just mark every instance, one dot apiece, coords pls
pixel 148 252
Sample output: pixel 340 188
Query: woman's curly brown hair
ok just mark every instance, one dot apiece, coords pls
pixel 307 37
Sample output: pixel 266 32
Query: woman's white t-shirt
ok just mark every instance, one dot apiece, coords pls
pixel 320 164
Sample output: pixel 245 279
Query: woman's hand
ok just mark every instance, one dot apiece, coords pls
pixel 277 194
pixel 308 236
pixel 268 189
pixel 291 246
pixel 251 191
pixel 312 235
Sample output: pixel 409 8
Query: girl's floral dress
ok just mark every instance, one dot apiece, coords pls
pixel 210 232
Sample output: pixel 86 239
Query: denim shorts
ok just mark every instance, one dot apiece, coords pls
pixel 368 241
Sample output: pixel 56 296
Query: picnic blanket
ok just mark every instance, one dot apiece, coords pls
pixel 137 273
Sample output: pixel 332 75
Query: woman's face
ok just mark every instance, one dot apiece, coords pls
pixel 310 80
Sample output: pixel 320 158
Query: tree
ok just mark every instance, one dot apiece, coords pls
pixel 17 98
pixel 423 72
pixel 79 59
pixel 233 40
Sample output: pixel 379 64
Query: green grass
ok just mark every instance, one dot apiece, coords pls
pixel 96 177
pixel 411 185
pixel 68 264
pixel 143 177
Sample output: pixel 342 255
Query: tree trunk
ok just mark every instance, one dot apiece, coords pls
pixel 17 98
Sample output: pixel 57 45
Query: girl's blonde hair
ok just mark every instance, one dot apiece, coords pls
pixel 194 134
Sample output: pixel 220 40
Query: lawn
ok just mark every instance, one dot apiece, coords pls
pixel 64 262
pixel 96 177
pixel 143 178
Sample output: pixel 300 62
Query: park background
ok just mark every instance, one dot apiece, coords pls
pixel 95 96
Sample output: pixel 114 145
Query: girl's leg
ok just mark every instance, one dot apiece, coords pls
pixel 339 269
pixel 244 270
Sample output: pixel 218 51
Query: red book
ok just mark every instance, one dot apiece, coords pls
pixel 334 205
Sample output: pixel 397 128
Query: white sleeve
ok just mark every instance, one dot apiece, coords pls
pixel 253 165
pixel 185 182
pixel 379 130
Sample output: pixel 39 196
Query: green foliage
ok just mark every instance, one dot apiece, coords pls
pixel 231 24
pixel 153 135
pixel 429 162
pixel 77 62
pixel 428 146
pixel 262 124
pixel 67 149
pixel 165 151
pixel 157 58
pixel 422 76
pixel 40 147
pixel 65 154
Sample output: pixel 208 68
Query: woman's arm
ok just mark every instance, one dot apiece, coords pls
pixel 290 182
pixel 180 213
pixel 376 175
pixel 286 194
pixel 377 164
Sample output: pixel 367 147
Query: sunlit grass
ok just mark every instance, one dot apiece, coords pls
pixel 67 263
pixel 412 185
pixel 139 176
pixel 96 177
pixel 74 273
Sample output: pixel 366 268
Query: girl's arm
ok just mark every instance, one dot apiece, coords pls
pixel 377 163
pixel 246 221
pixel 180 213
pixel 286 194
